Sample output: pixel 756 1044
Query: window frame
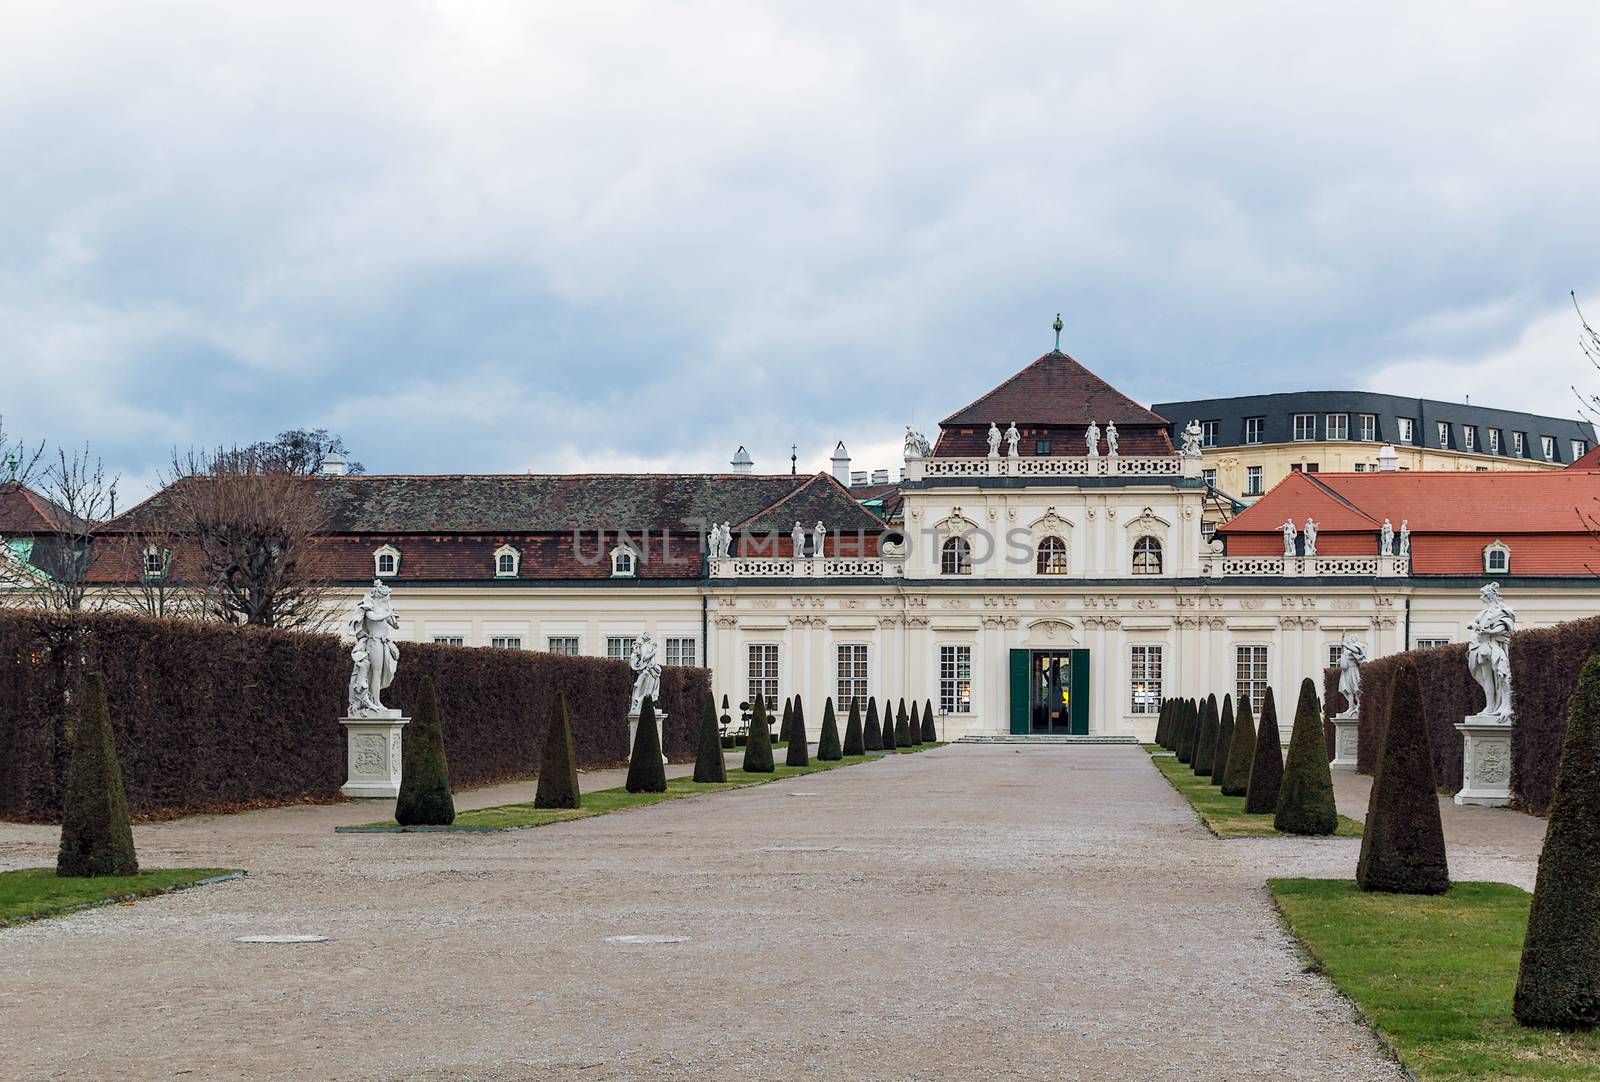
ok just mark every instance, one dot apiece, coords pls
pixel 1547 447
pixel 1058 561
pixel 625 562
pixel 1253 480
pixel 630 642
pixel 1305 428
pixel 551 640
pixel 506 642
pixel 1140 678
pixel 1254 429
pixel 1406 431
pixel 1519 445
pixel 955 678
pixel 449 640
pixel 1368 427
pixel 1336 431
pixel 770 673
pixel 673 651
pixel 379 555
pixel 852 675
pixel 1148 547
pixel 1469 437
pixel 1255 682
pixel 503 554
pixel 1494 441
pixel 955 556
pixel 1442 433
pixel 1209 431
pixel 1493 550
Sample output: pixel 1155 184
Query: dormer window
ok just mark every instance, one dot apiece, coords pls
pixel 624 562
pixel 1497 558
pixel 156 562
pixel 386 561
pixel 506 562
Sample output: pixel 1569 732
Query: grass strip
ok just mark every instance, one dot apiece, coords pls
pixel 1224 816
pixel 603 801
pixel 35 893
pixel 1435 976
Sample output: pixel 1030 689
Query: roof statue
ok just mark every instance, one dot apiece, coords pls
pixel 1091 439
pixel 1013 438
pixel 1311 536
pixel 917 445
pixel 1193 437
pixel 1386 539
pixel 1111 439
pixel 994 440
pixel 1289 534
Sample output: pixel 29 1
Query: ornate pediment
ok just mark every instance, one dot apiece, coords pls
pixel 955 523
pixel 1050 523
pixel 1052 632
pixel 1147 520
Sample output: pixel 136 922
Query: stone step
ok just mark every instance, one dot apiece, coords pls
pixel 1042 738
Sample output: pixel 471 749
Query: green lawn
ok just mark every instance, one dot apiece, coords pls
pixel 32 893
pixel 1225 815
pixel 601 801
pixel 1435 975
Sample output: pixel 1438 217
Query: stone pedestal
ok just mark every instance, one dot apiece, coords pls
pixel 372 757
pixel 633 733
pixel 1485 761
pixel 1346 742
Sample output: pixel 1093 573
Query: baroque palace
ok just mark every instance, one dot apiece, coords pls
pixel 1040 568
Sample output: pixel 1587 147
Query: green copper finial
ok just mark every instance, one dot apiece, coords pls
pixel 11 466
pixel 1058 325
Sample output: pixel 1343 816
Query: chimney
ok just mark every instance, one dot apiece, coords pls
pixel 880 477
pixel 858 477
pixel 742 462
pixel 333 464
pixel 1388 459
pixel 841 464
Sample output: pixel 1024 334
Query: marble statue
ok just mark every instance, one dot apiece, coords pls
pixel 714 541
pixel 727 540
pixel 820 533
pixel 375 654
pixel 1311 536
pixel 1289 532
pixel 1405 538
pixel 1351 654
pixel 646 685
pixel 916 444
pixel 1386 539
pixel 1489 653
pixel 1091 440
pixel 994 440
pixel 1193 437
pixel 1111 438
pixel 797 537
pixel 1013 438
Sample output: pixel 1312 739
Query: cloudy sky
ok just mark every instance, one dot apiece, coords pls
pixel 484 237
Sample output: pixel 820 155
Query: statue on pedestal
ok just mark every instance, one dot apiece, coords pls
pixel 1405 538
pixel 1289 533
pixel 1311 536
pixel 1193 437
pixel 819 534
pixel 1489 653
pixel 1386 539
pixel 374 655
pixel 1013 438
pixel 1091 440
pixel 648 680
pixel 917 445
pixel 1111 439
pixel 994 440
pixel 797 538
pixel 1351 654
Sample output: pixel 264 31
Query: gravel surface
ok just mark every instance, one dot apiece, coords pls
pixel 972 911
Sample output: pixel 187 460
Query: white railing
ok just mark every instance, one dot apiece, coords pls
pixel 784 567
pixel 1055 466
pixel 1221 567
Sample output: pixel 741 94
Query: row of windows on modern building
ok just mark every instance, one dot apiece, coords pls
pixel 1339 426
pixel 1050 557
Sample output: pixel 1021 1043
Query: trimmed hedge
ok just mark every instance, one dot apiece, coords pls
pixel 1545 665
pixel 208 717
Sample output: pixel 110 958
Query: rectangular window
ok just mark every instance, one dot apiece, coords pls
pixel 1252 429
pixel 1579 449
pixel 1338 426
pixel 851 674
pixel 955 679
pixel 1469 438
pixel 1516 444
pixel 1041 447
pixel 1408 430
pixel 1311 467
pixel 763 673
pixel 450 640
pixel 1494 441
pixel 1208 530
pixel 620 647
pixel 1144 679
pixel 1250 676
pixel 1369 427
pixel 1209 477
pixel 1547 444
pixel 562 644
pixel 1208 433
pixel 1444 433
pixel 1428 644
pixel 1305 426
pixel 682 651
pixel 1252 480
pixel 1361 467
pixel 1335 652
pixel 506 642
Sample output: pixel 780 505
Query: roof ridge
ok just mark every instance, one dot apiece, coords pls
pixel 1335 495
pixel 791 494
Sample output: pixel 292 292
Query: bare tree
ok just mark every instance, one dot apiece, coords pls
pixel 254 526
pixel 149 575
pixel 18 459
pixel 50 565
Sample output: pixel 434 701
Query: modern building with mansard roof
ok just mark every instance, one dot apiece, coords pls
pixel 1039 569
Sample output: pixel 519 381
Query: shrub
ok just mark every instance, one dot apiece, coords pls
pixel 1219 755
pixel 890 736
pixel 930 733
pixel 709 765
pixel 646 772
pixel 1185 721
pixel 96 835
pixel 914 726
pixel 872 735
pixel 828 748
pixel 1205 748
pixel 1163 717
pixel 424 798
pixel 902 727
pixel 788 720
pixel 1241 752
pixel 854 739
pixel 1559 982
pixel 758 749
pixel 797 753
pixel 1402 847
pixel 558 768
pixel 1266 767
pixel 1305 803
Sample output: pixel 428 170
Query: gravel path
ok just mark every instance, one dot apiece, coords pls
pixel 1049 913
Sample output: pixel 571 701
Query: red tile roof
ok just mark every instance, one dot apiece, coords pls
pixel 24 511
pixel 1590 461
pixel 1055 390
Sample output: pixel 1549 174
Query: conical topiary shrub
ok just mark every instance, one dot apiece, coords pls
pixel 709 766
pixel 914 726
pixel 902 727
pixel 828 749
pixel 788 718
pixel 889 734
pixel 96 834
pixel 854 738
pixel 1188 722
pixel 1205 748
pixel 1219 757
pixel 758 749
pixel 1161 725
pixel 797 753
pixel 872 734
pixel 930 735
pixel 558 766
pixel 424 798
pixel 1559 982
pixel 1241 751
pixel 1305 804
pixel 1402 847
pixel 646 772
pixel 1266 766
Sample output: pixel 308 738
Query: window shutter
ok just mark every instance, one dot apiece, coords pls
pixel 1019 692
pixel 1079 706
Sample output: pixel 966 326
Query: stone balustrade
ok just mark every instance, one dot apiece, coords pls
pixel 1214 566
pixel 808 567
pixel 918 469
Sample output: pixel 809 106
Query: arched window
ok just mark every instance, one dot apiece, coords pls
pixel 156 562
pixel 1147 556
pixel 506 562
pixel 624 562
pixel 955 557
pixel 1052 559
pixel 1497 558
pixel 386 561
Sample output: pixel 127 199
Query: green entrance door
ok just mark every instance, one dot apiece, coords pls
pixel 1050 692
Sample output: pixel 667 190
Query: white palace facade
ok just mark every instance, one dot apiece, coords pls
pixel 1039 570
